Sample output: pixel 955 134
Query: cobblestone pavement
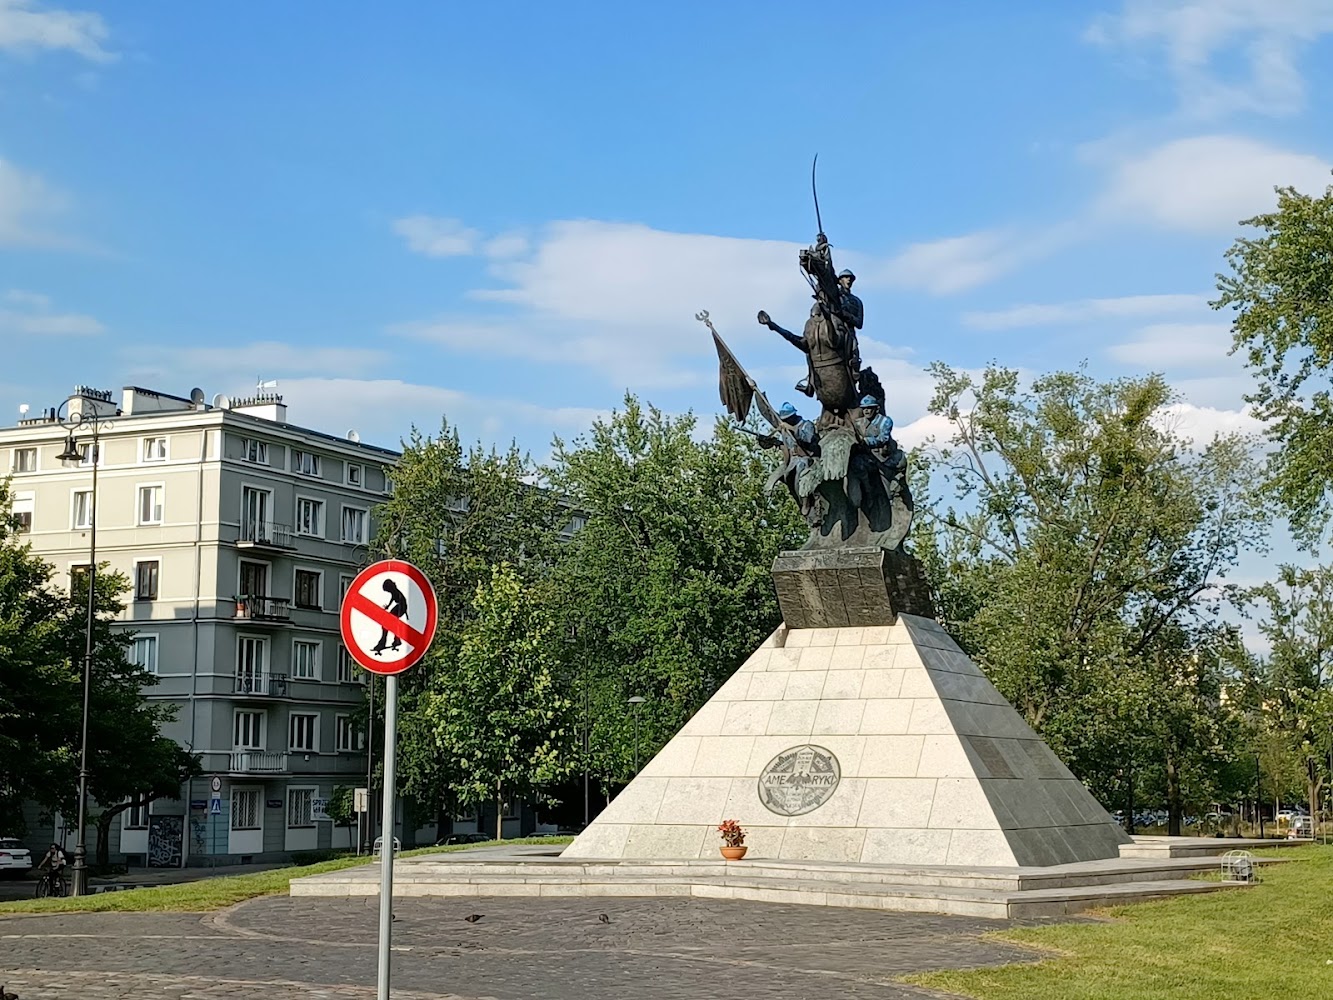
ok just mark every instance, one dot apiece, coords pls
pixel 282 948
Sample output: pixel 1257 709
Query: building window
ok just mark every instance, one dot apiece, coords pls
pixel 354 526
pixel 305 462
pixel 83 510
pixel 305 660
pixel 346 673
pixel 25 460
pixel 307 588
pixel 136 816
pixel 78 579
pixel 24 504
pixel 150 504
pixel 355 475
pixel 143 652
pixel 309 517
pixel 245 806
pixel 300 807
pixel 510 805
pixel 155 449
pixel 345 734
pixel 388 482
pixel 344 585
pixel 250 659
pixel 301 731
pixel 255 525
pixel 145 580
pixel 254 451
pixel 248 731
pixel 254 579
pixel 92 453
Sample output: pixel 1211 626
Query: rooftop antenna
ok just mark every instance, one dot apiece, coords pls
pixel 197 397
pixel 23 410
pixel 270 384
pixel 354 437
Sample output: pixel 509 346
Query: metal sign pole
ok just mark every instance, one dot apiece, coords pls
pixel 386 841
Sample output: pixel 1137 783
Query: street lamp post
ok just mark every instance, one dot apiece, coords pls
pixel 74 424
pixel 635 702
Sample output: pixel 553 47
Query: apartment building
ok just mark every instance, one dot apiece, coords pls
pixel 238 532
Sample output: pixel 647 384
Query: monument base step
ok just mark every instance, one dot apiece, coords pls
pixel 980 892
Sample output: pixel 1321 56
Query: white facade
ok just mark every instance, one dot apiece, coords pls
pixel 238 533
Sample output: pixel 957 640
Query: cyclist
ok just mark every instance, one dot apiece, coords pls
pixel 53 863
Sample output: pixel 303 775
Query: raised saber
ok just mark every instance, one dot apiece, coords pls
pixel 815 192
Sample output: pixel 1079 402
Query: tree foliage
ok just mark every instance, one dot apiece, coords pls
pixel 1078 551
pixel 499 716
pixel 665 590
pixel 1280 287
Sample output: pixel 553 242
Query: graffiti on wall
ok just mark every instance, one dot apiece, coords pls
pixel 166 836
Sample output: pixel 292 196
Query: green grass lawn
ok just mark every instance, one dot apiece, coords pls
pixel 220 890
pixel 1274 939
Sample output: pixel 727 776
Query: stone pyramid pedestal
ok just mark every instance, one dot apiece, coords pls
pixel 879 744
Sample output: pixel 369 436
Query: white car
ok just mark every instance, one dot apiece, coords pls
pixel 14 857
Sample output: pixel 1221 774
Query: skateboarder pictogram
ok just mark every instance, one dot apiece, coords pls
pixel 397 607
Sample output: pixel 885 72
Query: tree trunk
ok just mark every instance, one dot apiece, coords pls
pixel 1174 809
pixel 1129 802
pixel 103 852
pixel 499 814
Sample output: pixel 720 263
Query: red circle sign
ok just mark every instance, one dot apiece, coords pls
pixel 388 616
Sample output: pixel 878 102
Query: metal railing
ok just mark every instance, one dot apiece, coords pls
pixel 261 608
pixel 258 762
pixel 263 683
pixel 278 536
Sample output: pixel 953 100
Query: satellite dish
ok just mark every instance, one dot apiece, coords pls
pixel 23 409
pixel 354 437
pixel 222 402
pixel 197 397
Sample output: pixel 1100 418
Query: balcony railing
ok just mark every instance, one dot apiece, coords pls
pixel 258 608
pixel 258 762
pixel 260 684
pixel 266 533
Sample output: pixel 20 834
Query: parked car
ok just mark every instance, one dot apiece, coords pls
pixel 463 838
pixel 14 857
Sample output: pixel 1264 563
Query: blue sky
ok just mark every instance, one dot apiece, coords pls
pixel 511 216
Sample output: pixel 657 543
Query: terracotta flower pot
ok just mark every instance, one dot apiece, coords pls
pixel 734 853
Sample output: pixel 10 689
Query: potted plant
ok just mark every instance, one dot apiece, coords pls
pixel 733 840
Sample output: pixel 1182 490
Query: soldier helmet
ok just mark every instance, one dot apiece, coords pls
pixel 869 401
pixel 787 413
pixel 845 273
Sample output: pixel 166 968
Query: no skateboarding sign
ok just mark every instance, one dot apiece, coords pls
pixel 388 616
pixel 388 619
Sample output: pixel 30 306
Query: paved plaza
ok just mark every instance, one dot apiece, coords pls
pixel 521 949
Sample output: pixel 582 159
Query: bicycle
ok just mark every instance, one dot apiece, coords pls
pixel 52 884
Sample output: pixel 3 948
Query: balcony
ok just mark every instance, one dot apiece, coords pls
pixel 265 534
pixel 262 684
pixel 256 608
pixel 258 762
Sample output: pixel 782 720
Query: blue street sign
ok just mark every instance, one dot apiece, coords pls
pixel 215 807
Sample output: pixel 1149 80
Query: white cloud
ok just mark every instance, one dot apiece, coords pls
pixel 26 27
pixel 952 264
pixel 383 412
pixel 433 236
pixel 233 369
pixel 1202 39
pixel 506 245
pixel 1164 346
pixel 1084 311
pixel 1207 184
pixel 1201 424
pixel 34 317
pixel 25 200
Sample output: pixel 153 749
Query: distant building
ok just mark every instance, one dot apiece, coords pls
pixel 239 533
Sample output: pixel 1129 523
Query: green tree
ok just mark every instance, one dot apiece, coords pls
pixel 1280 287
pixel 666 588
pixel 499 716
pixel 456 513
pixel 1296 677
pixel 1078 553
